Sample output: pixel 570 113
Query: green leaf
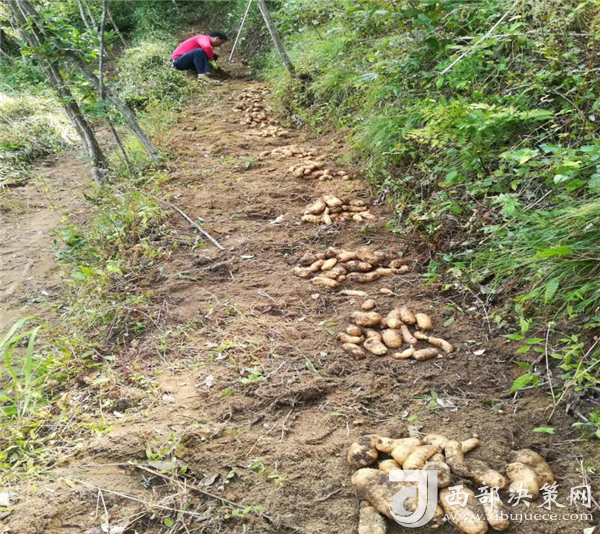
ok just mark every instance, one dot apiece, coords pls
pixel 168 522
pixel 544 430
pixel 594 183
pixel 554 251
pixel 551 288
pixel 524 324
pixel 522 381
pixel 514 337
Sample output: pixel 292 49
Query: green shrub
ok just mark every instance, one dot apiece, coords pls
pixel 146 76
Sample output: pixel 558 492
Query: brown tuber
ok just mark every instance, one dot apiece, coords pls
pixel 392 339
pixel 405 354
pixel 362 452
pixel 368 305
pixel 354 350
pixel 425 354
pixel 435 341
pixel 370 521
pixel 423 321
pixel 366 318
pixel 466 518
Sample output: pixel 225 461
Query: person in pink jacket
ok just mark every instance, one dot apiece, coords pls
pixel 197 53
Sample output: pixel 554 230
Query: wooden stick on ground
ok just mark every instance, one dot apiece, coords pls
pixel 197 226
pixel 197 489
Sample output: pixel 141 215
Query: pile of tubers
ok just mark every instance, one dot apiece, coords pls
pixel 316 169
pixel 288 152
pixel 272 131
pixel 312 169
pixel 378 334
pixel 447 457
pixel 255 114
pixel 328 208
pixel 335 266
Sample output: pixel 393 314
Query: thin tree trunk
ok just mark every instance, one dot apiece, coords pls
pixel 101 58
pixel 83 17
pixel 24 12
pixel 119 104
pixel 101 83
pixel 3 54
pixel 275 36
pixel 119 144
pixel 115 27
pixel 90 14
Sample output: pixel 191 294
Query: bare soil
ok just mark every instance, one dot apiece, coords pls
pixel 30 281
pixel 253 391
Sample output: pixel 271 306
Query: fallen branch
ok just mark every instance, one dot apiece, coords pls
pixel 197 226
pixel 472 48
pixel 187 485
pixel 135 499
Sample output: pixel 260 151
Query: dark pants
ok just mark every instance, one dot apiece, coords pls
pixel 196 59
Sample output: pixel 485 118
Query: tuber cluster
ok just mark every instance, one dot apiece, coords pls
pixel 378 334
pixel 328 208
pixel 313 170
pixel 335 265
pixel 374 456
pixel 255 113
pixel 288 152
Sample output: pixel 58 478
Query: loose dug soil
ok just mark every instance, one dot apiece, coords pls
pixel 252 391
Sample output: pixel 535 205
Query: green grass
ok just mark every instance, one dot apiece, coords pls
pixel 145 77
pixel 31 126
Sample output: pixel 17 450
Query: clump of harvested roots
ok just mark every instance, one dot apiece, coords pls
pixel 334 266
pixel 329 208
pixel 380 334
pixel 373 457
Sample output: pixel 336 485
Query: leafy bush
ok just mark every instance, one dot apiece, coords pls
pixel 146 76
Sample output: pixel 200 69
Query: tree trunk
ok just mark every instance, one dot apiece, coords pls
pixel 119 104
pixel 83 17
pixel 3 54
pixel 24 14
pixel 101 58
pixel 115 27
pixel 275 36
pixel 90 15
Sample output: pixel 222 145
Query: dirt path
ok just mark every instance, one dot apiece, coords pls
pixel 251 389
pixel 30 282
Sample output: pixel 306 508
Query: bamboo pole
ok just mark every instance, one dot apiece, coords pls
pixel 275 36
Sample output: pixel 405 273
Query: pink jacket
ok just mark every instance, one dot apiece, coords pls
pixel 198 41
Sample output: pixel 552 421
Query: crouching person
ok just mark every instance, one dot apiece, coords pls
pixel 197 53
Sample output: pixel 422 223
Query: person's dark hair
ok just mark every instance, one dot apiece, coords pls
pixel 221 35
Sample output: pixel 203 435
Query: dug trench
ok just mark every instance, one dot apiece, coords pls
pixel 255 403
